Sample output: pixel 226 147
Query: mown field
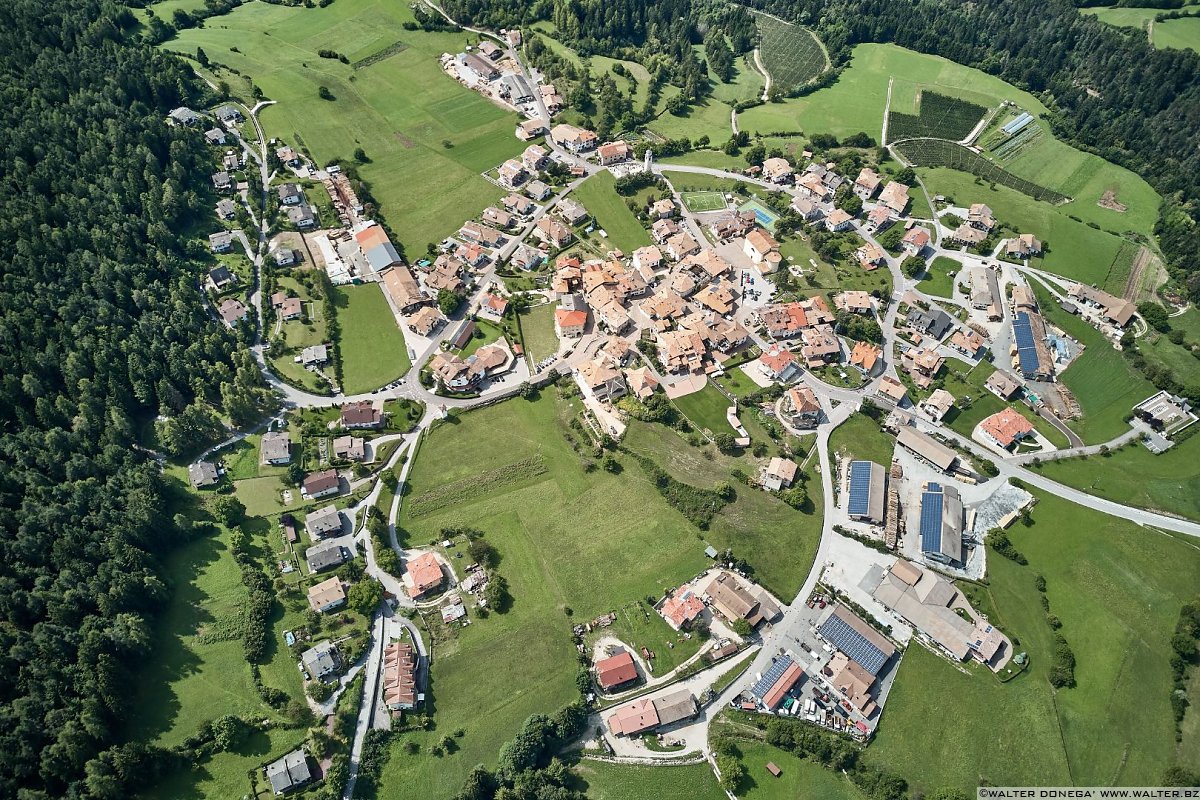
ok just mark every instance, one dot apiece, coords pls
pixel 939 277
pixel 1073 249
pixel 1132 475
pixel 861 438
pixel 1180 34
pixel 600 198
pixel 537 329
pixel 372 346
pixel 1118 608
pixel 566 541
pixel 428 138
pixel 622 782
pixel 799 777
pixel 706 409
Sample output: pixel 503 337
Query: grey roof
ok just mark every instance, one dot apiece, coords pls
pixel 675 706
pixel 276 446
pixel 285 255
pixel 215 135
pixel 324 556
pixel 220 178
pixel 382 256
pixel 228 112
pixel 324 521
pixel 289 190
pixel 220 239
pixel 927 448
pixel 184 115
pixel 220 275
pixel 935 322
pixel 320 659
pixel 314 354
pixel 289 772
pixel 225 207
pixel 202 473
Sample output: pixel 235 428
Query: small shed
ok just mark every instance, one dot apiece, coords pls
pixel 774 770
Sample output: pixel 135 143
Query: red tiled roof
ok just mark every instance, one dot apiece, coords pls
pixel 615 670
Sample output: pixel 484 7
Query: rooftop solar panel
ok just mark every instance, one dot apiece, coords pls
pixel 772 674
pixel 1026 346
pixel 860 488
pixel 853 644
pixel 931 521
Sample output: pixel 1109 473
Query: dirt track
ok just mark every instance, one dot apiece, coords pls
pixel 1137 274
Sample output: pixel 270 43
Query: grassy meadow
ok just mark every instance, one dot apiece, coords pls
pixel 372 346
pixel 1118 607
pixel 623 781
pixel 427 138
pixel 600 198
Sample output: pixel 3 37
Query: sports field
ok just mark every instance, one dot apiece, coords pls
pixel 791 54
pixel 1118 608
pixel 600 198
pixel 372 346
pixel 402 110
pixel 697 202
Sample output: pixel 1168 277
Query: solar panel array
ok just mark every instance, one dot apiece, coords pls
pixel 860 488
pixel 1026 347
pixel 773 673
pixel 839 633
pixel 931 519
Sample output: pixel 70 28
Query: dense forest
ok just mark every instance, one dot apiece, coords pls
pixel 103 328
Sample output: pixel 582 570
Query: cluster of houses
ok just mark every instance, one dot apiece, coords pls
pixel 727 594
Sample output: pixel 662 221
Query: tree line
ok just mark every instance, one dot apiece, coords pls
pixel 104 328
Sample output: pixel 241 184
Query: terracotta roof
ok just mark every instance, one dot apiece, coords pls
pixel 864 355
pixel 777 359
pixel 567 318
pixel 425 572
pixel 1006 426
pixel 682 608
pixel 615 670
pixel 634 718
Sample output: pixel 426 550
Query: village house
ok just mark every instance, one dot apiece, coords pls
pixel 362 414
pixel 614 152
pixel 289 773
pixel 286 256
pixel 777 363
pixel 806 209
pixel 838 220
pixel 647 258
pixel 895 197
pixel 777 170
pixel 616 671
pixel 572 139
pixel 938 404
pixel 229 115
pixel 326 555
pixel 967 235
pixel 538 190
pixel 922 365
pixel 734 225
pixel 320 484
pixel 801 406
pixel 879 219
pixel 893 390
pixel 572 211
pixel 811 186
pixel 779 473
pixel 1115 310
pixel 682 351
pixel 221 181
pixel 400 677
pixel 681 245
pixel 570 323
pixel 662 209
pixel 512 173
pixel 867 183
pixel 232 311
pixel 220 242
pixel 402 289
pixel 783 320
pixel 324 522
pixel 602 381
pixel 1002 385
pixel 1023 246
pixel 498 217
pixel 226 209
pixel 534 157
pixel 350 448
pixel 915 241
pixel 870 256
pixel 492 306
pixel 980 216
pixel 290 194
pixel 326 595
pixel 202 473
pixel 853 302
pixel 641 382
pixel 275 448
pixel 968 342
pixel 553 232
pixel 530 129
pixel 664 229
pixel 518 204
pixel 1005 428
pixel 183 116
pixel 314 356
pixel 221 278
pixel 734 601
pixel 935 322
pixel 423 575
pixel 866 357
pixel 820 346
pixel 427 320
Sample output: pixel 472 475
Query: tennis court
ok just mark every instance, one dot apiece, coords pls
pixel 698 202
pixel 765 216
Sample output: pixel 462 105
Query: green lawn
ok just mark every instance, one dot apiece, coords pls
pixel 626 782
pixel 600 198
pixel 709 117
pixel 1106 387
pixel 860 437
pixel 747 83
pixel 485 333
pixel 372 346
pixel 537 329
pixel 402 110
pixel 566 540
pixel 1074 250
pixel 300 333
pixel 640 626
pixel 800 777
pixel 778 541
pixel 1134 476
pixel 1118 607
pixel 939 278
pixel 1180 34
pixel 706 409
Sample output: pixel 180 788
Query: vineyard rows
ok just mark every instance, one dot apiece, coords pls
pixel 939 115
pixel 941 153
pixel 792 55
